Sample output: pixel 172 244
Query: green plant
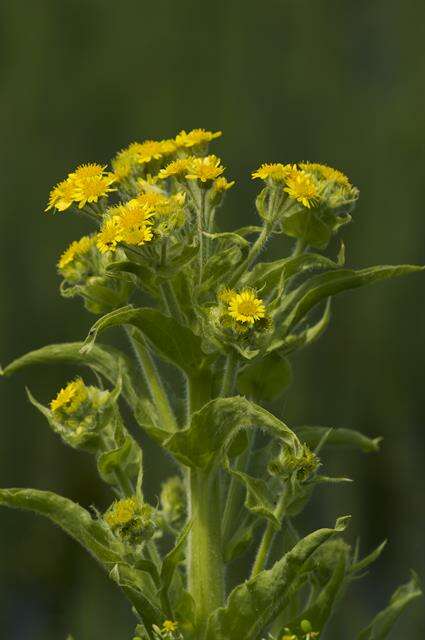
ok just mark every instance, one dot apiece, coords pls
pixel 228 324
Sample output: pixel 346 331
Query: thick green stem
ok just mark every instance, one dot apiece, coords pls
pixel 300 245
pixel 205 558
pixel 267 539
pixel 230 372
pixel 153 381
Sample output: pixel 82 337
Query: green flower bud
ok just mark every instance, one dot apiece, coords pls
pixel 299 467
pixel 132 520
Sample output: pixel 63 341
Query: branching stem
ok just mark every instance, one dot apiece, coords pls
pixel 267 539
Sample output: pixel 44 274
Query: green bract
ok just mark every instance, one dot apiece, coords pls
pixel 226 325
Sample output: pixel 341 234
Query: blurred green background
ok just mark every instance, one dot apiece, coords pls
pixel 328 80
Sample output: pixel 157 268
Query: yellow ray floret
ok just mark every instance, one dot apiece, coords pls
pixel 71 397
pixel 62 195
pixel 121 512
pixel 301 187
pixel 274 171
pixel 87 170
pixel 329 173
pixel 108 237
pixel 246 307
pixel 204 169
pixel 195 137
pixel 76 248
pixel 169 626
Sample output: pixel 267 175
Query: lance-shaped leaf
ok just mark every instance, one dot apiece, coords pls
pixel 305 297
pixel 304 338
pixel 382 624
pixel 106 361
pixel 213 428
pixel 253 605
pixel 171 340
pixel 170 563
pixel 265 276
pixel 344 438
pixel 265 379
pixel 259 499
pixel 91 533
pixel 359 566
pixel 145 605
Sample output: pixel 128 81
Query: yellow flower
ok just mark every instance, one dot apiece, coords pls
pixel 76 248
pixel 203 169
pixel 329 173
pixel 108 237
pixel 221 184
pixel 71 397
pixel 62 195
pixel 301 187
pixel 124 163
pixel 121 512
pixel 275 171
pixel 175 169
pixel 133 222
pixel 169 626
pixel 226 295
pixel 246 307
pixel 91 188
pixel 195 137
pixel 87 171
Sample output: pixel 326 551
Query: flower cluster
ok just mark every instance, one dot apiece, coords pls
pixel 168 631
pixel 86 185
pixel 131 520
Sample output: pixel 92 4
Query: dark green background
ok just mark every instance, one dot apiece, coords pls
pixel 339 81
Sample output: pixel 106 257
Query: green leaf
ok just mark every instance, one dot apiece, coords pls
pixel 171 561
pixel 253 605
pixel 231 237
pixel 344 438
pixel 306 337
pixel 307 226
pixel 126 458
pixel 213 428
pixel 91 533
pixel 382 624
pixel 145 606
pixel 106 361
pixel 365 562
pixel 265 379
pixel 299 302
pixel 259 499
pixel 171 340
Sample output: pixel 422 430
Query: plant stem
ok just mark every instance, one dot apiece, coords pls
pixel 200 228
pixel 267 539
pixel 255 250
pixel 171 301
pixel 299 248
pixel 154 382
pixel 229 378
pixel 124 483
pixel 205 558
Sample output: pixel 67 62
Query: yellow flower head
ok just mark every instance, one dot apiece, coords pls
pixel 274 171
pixel 226 295
pixel 121 512
pixel 195 137
pixel 133 222
pixel 87 171
pixel 71 397
pixel 175 169
pixel 328 173
pixel 221 184
pixel 203 169
pixel 75 249
pixel 124 163
pixel 245 307
pixel 301 187
pixel 169 626
pixel 91 188
pixel 62 195
pixel 108 237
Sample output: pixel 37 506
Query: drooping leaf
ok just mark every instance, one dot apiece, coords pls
pixel 308 226
pixel 253 605
pixel 344 438
pixel 259 499
pixel 172 341
pixel 382 624
pixel 107 361
pixel 305 297
pixel 145 606
pixel 91 533
pixel 171 561
pixel 213 428
pixel 265 379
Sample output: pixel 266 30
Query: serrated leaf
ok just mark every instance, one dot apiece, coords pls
pixel 91 533
pixel 213 428
pixel 299 302
pixel 107 361
pixel 266 379
pixel 171 340
pixel 382 624
pixel 345 438
pixel 253 605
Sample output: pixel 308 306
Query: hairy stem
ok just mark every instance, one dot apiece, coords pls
pixel 229 377
pixel 255 250
pixel 267 539
pixel 154 382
